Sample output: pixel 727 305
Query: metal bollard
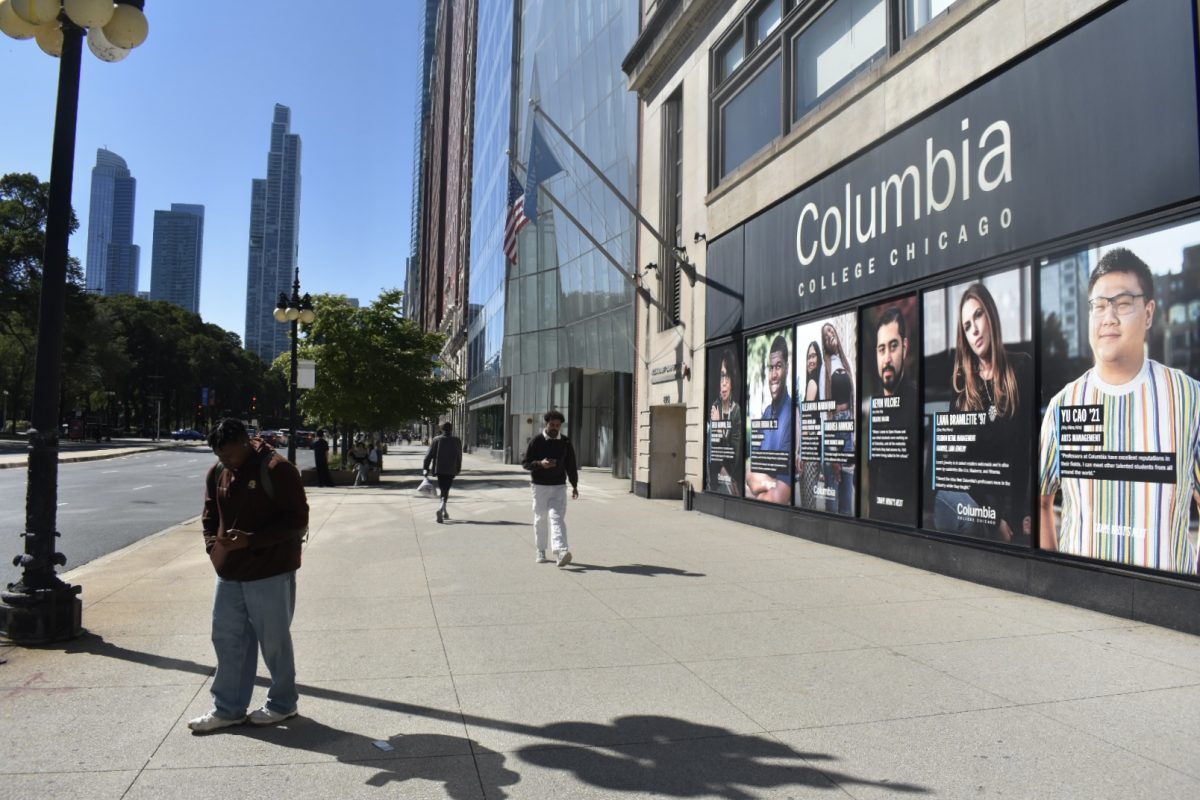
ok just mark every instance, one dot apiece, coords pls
pixel 686 486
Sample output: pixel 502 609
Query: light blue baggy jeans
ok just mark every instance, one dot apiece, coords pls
pixel 248 615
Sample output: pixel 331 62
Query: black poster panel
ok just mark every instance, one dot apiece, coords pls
pixel 726 422
pixel 1099 126
pixel 1120 440
pixel 825 419
pixel 769 417
pixel 723 285
pixel 979 408
pixel 891 412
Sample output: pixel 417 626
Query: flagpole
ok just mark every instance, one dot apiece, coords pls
pixel 641 290
pixel 688 268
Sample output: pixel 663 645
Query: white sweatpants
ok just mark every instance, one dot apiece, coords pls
pixel 550 516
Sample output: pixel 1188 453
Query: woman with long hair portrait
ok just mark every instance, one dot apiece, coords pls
pixel 989 378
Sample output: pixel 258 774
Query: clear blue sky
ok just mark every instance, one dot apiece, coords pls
pixel 190 111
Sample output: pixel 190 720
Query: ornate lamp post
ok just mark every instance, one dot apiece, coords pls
pixel 292 311
pixel 40 607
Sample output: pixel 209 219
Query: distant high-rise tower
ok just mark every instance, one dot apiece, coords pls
pixel 112 257
pixel 274 239
pixel 176 255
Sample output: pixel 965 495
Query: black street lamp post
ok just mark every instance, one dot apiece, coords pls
pixel 41 607
pixel 293 310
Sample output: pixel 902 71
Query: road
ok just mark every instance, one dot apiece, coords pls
pixel 111 503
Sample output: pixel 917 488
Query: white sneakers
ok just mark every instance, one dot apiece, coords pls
pixel 211 722
pixel 265 716
pixel 564 557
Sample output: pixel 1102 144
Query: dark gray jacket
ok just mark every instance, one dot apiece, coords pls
pixel 444 456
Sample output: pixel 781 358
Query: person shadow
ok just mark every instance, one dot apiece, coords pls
pixel 645 570
pixel 433 757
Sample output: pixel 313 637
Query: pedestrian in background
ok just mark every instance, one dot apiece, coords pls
pixel 550 459
pixel 444 460
pixel 255 519
pixel 320 449
pixel 358 455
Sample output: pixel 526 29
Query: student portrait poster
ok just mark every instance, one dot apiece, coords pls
pixel 825 416
pixel 979 408
pixel 769 417
pixel 891 412
pixel 1119 449
pixel 726 422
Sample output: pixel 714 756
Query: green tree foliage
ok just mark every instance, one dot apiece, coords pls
pixel 131 356
pixel 375 368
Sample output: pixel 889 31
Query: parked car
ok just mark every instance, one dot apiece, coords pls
pixel 305 438
pixel 188 435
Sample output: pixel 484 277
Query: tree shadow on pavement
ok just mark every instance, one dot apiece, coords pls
pixel 646 570
pixel 644 755
pixel 665 756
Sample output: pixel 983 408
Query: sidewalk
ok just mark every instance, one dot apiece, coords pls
pixel 680 655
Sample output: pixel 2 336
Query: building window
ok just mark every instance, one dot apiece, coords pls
pixel 839 44
pixel 730 56
pixel 801 51
pixel 919 13
pixel 751 119
pixel 766 20
pixel 672 208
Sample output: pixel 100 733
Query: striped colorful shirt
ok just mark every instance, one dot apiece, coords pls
pixel 1097 440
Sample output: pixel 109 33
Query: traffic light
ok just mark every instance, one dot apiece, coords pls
pixel 253 403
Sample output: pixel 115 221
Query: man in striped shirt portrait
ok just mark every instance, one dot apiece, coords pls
pixel 1122 441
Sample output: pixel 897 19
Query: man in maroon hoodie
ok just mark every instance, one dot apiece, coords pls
pixel 255 518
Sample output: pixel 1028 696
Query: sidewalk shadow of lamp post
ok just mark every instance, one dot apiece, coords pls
pixel 294 310
pixel 41 607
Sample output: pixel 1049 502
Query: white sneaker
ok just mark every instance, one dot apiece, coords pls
pixel 564 558
pixel 211 722
pixel 541 558
pixel 265 716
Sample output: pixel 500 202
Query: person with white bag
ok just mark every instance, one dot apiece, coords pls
pixel 444 460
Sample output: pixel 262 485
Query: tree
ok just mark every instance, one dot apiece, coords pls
pixel 24 205
pixel 375 368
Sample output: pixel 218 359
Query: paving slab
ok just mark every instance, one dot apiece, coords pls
pixel 994 753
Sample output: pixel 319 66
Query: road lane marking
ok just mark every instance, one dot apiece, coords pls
pixel 109 471
pixel 138 488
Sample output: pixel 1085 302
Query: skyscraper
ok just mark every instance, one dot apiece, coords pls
pixel 176 256
pixel 112 257
pixel 274 238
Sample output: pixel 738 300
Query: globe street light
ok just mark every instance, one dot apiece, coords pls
pixel 294 310
pixel 40 607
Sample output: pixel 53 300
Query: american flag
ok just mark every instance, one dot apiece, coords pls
pixel 516 216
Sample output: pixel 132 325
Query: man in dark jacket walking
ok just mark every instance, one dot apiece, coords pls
pixel 550 459
pixel 320 450
pixel 445 459
pixel 255 518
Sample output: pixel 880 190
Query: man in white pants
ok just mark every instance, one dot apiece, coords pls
pixel 550 459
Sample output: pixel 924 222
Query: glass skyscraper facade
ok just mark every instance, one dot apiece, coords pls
pixel 176 256
pixel 569 318
pixel 112 257
pixel 485 312
pixel 274 239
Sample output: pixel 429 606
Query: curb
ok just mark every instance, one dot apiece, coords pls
pixel 88 457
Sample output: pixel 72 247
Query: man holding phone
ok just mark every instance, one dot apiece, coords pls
pixel 550 459
pixel 255 518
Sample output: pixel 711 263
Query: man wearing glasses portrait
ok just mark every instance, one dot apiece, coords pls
pixel 1122 441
